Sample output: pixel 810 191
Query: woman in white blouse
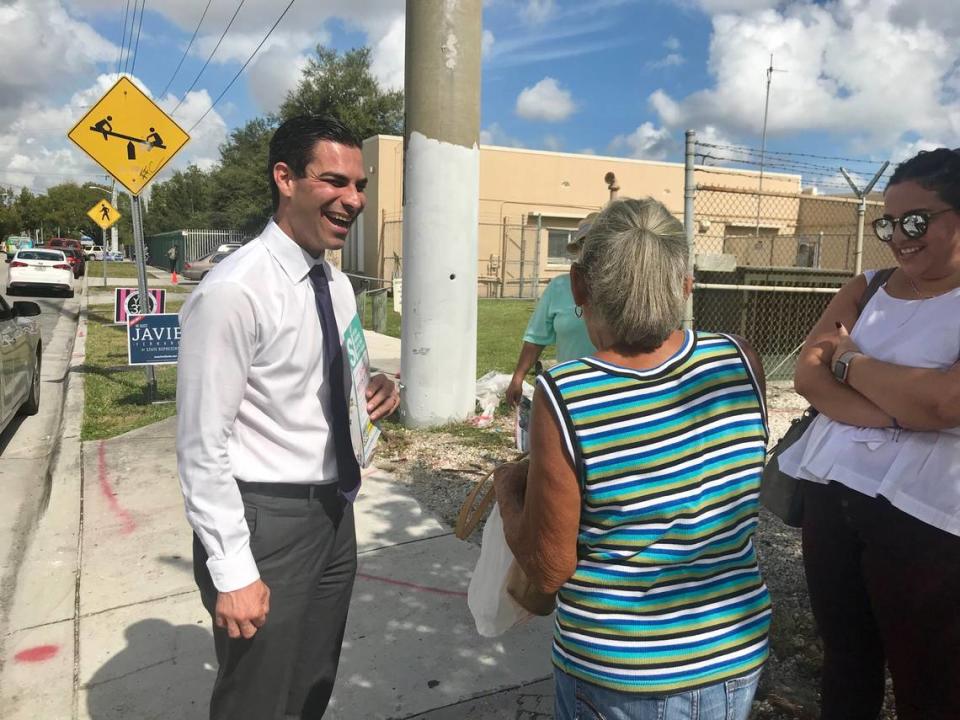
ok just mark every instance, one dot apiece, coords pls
pixel 881 529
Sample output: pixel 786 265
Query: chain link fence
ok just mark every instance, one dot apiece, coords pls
pixel 509 264
pixel 769 262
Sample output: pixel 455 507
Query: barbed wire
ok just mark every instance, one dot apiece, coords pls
pixel 791 154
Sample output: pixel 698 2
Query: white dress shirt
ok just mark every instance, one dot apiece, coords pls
pixel 252 401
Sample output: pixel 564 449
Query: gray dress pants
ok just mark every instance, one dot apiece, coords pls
pixel 304 542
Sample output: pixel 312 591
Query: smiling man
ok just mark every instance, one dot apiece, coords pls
pixel 263 445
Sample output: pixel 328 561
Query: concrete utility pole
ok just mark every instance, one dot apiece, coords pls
pixel 438 359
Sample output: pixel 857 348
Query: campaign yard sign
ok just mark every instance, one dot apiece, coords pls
pixel 126 303
pixel 153 339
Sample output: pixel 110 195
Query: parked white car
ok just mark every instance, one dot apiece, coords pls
pixel 37 268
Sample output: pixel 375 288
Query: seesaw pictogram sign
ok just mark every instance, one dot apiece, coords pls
pixel 128 135
pixel 103 214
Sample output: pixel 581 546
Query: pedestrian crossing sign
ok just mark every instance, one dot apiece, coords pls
pixel 103 214
pixel 128 135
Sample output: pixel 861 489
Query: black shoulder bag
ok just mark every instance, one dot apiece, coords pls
pixel 780 493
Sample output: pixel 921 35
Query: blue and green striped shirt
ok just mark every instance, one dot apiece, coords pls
pixel 667 595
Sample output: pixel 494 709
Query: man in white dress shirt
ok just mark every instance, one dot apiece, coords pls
pixel 267 475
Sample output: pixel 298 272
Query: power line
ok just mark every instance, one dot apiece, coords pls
pixel 216 47
pixel 136 47
pixel 133 24
pixel 252 55
pixel 123 40
pixel 189 45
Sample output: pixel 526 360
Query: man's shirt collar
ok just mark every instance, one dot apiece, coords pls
pixel 295 261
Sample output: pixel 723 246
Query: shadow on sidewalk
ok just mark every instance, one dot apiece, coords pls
pixel 165 671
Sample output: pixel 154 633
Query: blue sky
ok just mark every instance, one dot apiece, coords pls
pixel 863 79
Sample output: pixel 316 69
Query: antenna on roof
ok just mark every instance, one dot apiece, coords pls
pixel 763 138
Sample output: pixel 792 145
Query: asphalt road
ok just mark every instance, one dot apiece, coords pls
pixel 26 444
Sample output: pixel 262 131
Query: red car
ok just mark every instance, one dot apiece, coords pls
pixel 75 258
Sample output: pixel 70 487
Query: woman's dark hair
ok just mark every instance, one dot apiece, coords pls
pixel 294 140
pixel 936 170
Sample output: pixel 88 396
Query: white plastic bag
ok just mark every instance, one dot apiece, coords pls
pixel 490 390
pixel 493 610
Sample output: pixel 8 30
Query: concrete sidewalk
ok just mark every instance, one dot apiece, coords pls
pixel 107 622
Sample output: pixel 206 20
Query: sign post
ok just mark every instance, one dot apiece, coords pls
pixel 105 215
pixel 130 137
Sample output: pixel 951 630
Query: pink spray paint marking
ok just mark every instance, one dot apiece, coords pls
pixel 40 653
pixel 412 586
pixel 109 494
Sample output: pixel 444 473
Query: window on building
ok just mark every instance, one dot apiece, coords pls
pixel 557 241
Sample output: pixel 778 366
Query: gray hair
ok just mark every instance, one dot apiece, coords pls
pixel 635 263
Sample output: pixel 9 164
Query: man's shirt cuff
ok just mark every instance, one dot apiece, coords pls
pixel 233 573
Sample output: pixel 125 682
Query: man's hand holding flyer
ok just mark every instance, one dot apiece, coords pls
pixel 363 433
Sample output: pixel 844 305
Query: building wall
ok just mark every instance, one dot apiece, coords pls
pixel 524 194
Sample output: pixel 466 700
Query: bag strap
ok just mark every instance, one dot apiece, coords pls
pixel 473 511
pixel 876 282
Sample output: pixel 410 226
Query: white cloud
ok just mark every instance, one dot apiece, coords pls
pixel 238 47
pixel 647 142
pixel 486 43
pixel 272 75
pixel 668 60
pixel 672 44
pixel 494 134
pixel 842 73
pixel 545 101
pixel 553 142
pixel 537 11
pixel 386 62
pixel 44 50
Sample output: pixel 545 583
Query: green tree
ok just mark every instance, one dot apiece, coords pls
pixel 342 85
pixel 179 203
pixel 239 188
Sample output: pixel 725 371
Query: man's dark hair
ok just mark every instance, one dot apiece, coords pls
pixel 937 170
pixel 294 140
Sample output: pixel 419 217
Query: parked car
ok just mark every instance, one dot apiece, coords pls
pixel 79 268
pixel 198 269
pixel 95 252
pixel 20 356
pixel 41 268
pixel 113 256
pixel 229 247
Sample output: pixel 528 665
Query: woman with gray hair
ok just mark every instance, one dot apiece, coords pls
pixel 638 503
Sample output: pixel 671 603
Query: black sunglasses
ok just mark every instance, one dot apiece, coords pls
pixel 913 224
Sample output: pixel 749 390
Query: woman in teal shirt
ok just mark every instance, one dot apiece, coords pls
pixel 554 322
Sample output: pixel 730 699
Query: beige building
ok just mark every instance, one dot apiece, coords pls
pixel 531 201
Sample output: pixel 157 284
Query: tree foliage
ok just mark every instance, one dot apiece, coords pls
pixel 342 85
pixel 62 210
pixel 235 194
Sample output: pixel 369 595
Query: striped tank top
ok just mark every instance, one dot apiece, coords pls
pixel 667 595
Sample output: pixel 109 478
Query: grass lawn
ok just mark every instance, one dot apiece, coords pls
pixel 500 326
pixel 115 402
pixel 114 269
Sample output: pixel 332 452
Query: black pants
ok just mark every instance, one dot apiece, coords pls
pixel 885 589
pixel 306 552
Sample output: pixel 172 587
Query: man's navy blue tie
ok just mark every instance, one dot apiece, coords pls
pixel 348 471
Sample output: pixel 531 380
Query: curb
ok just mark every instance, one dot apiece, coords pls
pixel 43 608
